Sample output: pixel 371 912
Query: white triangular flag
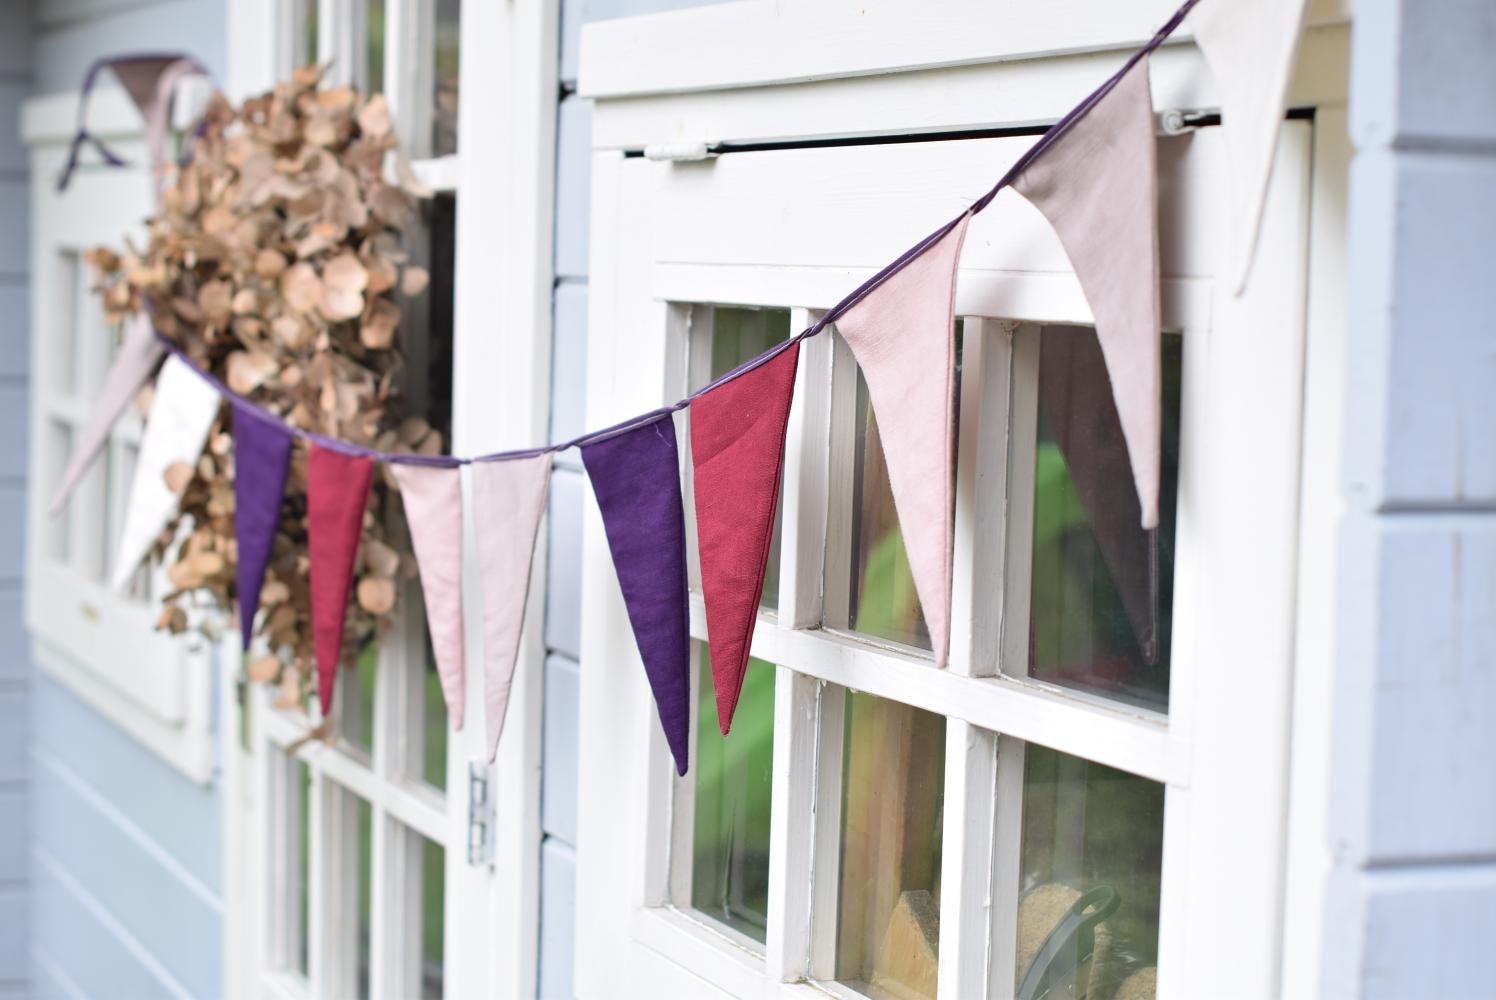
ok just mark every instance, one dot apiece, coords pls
pixel 182 413
pixel 508 503
pixel 1098 186
pixel 1251 48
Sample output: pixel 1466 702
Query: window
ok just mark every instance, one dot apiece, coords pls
pixel 100 643
pixel 1045 816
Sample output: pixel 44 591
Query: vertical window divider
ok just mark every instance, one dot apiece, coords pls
pixel 1022 438
pixel 840 484
pixel 807 471
pixel 831 711
pixel 333 904
pixel 1006 858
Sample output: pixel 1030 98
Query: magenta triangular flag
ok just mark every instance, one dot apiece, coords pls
pixel 737 450
pixel 262 453
pixel 508 502
pixel 636 479
pixel 1098 186
pixel 337 491
pixel 139 354
pixel 433 509
pixel 903 336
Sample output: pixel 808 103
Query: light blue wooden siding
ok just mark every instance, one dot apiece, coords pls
pixel 568 417
pixel 15 675
pixel 121 855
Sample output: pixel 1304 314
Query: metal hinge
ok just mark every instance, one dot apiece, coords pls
pixel 480 819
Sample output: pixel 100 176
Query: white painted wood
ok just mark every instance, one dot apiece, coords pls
pixel 792 854
pixel 731 46
pixel 717 231
pixel 102 645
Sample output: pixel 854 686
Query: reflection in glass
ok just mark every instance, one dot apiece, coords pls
pixel 893 794
pixel 1102 588
pixel 302 841
pixel 734 781
pixel 365 827
pixel 434 724
pixel 433 903
pixel 307 13
pixel 356 689
pixel 738 335
pixel 447 63
pixel 373 82
pixel 1089 869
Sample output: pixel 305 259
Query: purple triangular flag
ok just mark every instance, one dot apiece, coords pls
pixel 636 479
pixel 262 453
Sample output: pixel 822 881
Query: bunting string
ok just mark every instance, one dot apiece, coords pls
pixel 1043 143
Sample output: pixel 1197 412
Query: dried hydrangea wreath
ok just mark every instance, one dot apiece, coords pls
pixel 274 259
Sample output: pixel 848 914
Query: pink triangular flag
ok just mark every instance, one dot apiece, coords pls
pixel 139 354
pixel 903 336
pixel 433 509
pixel 1251 49
pixel 508 502
pixel 1098 186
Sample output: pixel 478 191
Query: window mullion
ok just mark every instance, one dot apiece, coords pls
pixel 1007 848
pixel 792 855
pixel 333 903
pixel 831 711
pixel 336 33
pixel 967 853
pixel 1022 438
pixel 840 499
pixel 395 910
pixel 806 471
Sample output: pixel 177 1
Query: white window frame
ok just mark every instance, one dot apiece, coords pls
pixel 748 73
pixel 502 336
pixel 100 643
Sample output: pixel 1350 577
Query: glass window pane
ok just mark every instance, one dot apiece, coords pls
pixel 433 904
pixel 356 689
pixel 447 63
pixel 739 335
pixel 734 782
pixel 1091 854
pixel 306 14
pixel 1102 588
pixel 373 78
pixel 434 725
pixel 365 827
pixel 893 794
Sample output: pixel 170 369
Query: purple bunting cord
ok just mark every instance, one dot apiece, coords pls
pixel 1048 139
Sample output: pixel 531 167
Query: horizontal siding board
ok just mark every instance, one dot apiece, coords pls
pixel 15 826
pixel 15 352
pixel 13 726
pixel 13 919
pixel 563 624
pixel 181 816
pixel 170 918
pixel 15 653
pixel 13 515
pixel 13 435
pixel 558 801
pixel 73 937
pixel 15 217
pixel 558 894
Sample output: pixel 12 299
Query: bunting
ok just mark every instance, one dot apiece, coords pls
pixel 509 498
pixel 903 334
pixel 183 409
pixel 262 454
pixel 138 355
pixel 1251 49
pixel 737 448
pixel 433 509
pixel 337 492
pixel 1097 185
pixel 636 479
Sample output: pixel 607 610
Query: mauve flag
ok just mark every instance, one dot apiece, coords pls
pixel 508 503
pixel 433 509
pixel 262 453
pixel 903 334
pixel 183 409
pixel 636 479
pixel 138 355
pixel 1251 49
pixel 337 490
pixel 1098 186
pixel 737 450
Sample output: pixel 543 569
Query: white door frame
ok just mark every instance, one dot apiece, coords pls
pixel 502 337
